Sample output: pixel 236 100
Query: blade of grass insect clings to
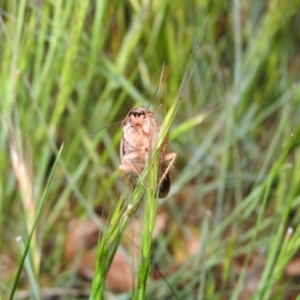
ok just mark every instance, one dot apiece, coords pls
pixel 148 221
pixel 38 214
pixel 150 207
pixel 111 239
pixel 109 242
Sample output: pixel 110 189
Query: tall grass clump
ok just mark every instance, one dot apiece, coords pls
pixel 229 227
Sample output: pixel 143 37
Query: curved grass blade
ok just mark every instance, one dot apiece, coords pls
pixel 38 214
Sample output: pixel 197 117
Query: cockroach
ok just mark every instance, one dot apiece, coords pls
pixel 140 134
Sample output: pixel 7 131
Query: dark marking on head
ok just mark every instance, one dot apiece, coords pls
pixel 137 113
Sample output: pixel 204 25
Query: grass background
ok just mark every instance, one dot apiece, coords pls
pixel 68 68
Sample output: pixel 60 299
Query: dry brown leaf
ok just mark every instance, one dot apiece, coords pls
pixel 86 268
pixel 120 274
pixel 80 233
pixel 293 268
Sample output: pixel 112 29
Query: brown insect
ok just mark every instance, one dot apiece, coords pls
pixel 140 133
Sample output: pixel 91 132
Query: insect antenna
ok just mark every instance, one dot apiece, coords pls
pixel 107 126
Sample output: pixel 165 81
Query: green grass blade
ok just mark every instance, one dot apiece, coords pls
pixel 38 214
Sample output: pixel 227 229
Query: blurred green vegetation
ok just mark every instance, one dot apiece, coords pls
pixel 69 68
